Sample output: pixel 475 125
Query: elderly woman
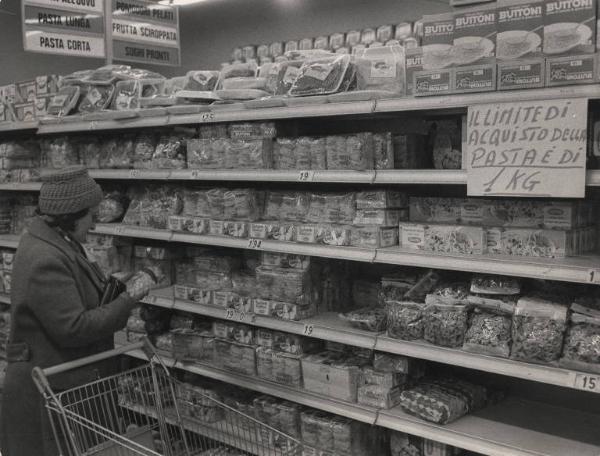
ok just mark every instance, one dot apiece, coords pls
pixel 56 311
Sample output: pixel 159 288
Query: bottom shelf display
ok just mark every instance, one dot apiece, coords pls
pixel 512 427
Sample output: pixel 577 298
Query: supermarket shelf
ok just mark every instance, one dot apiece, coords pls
pixel 21 186
pixel 512 428
pixel 330 327
pixel 221 431
pixel 100 125
pixel 10 241
pixel 18 126
pixel 273 175
pixel 465 100
pixel 421 176
pixel 581 269
pixel 129 174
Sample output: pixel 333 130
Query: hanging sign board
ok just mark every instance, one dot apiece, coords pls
pixel 529 149
pixel 65 27
pixel 145 32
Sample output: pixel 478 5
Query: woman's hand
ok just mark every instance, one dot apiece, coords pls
pixel 139 285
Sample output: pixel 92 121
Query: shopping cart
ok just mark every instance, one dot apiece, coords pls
pixel 146 412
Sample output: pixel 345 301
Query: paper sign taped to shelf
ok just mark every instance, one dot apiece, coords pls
pixel 94 6
pixel 527 149
pixel 58 43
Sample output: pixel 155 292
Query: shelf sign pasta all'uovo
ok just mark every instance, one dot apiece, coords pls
pixel 145 32
pixel 527 149
pixel 65 27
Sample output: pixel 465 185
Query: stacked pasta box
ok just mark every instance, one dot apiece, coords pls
pixel 552 229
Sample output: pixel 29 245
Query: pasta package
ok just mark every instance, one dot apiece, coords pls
pixel 538 330
pixel 249 153
pixel 323 234
pixel 287 206
pixel 445 319
pixel 582 344
pixel 374 236
pixel 332 208
pixel 355 152
pixel 381 199
pixel 381 68
pixel 284 284
pixel 470 240
pixel 323 76
pixel 490 325
pixel 405 320
pixel 207 153
pixel 96 98
pixel 242 204
pixel 170 152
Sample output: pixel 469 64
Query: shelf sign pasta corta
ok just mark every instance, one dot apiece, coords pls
pixel 67 27
pixel 529 149
pixel 145 32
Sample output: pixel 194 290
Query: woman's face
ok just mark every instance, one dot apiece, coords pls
pixel 84 224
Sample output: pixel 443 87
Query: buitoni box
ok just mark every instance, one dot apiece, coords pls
pixel 474 46
pixel 569 27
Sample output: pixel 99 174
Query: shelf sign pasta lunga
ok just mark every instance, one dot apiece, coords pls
pixel 145 32
pixel 65 27
pixel 527 149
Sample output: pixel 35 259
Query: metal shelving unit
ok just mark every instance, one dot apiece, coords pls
pixel 499 430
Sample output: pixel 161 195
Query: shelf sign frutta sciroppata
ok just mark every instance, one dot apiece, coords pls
pixel 75 28
pixel 527 149
pixel 145 32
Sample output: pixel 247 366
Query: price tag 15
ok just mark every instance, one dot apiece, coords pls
pixel 587 382
pixel 306 176
pixel 255 244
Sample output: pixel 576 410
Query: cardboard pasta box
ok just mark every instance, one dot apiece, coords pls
pixel 569 27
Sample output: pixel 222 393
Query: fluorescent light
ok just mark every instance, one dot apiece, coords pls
pixel 179 2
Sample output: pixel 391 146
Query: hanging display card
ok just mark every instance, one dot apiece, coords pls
pixel 65 27
pixel 145 32
pixel 529 149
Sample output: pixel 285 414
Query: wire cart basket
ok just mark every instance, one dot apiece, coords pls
pixel 145 411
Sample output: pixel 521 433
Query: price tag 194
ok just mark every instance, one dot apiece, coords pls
pixel 254 244
pixel 306 176
pixel 587 382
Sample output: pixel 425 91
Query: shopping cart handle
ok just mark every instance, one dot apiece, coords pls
pixel 94 358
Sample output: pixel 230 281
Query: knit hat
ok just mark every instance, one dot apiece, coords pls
pixel 68 191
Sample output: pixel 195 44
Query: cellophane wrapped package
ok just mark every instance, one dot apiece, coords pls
pixel 538 330
pixel 582 341
pixel 446 316
pixel 152 205
pixel 381 68
pixel 207 153
pixel 170 152
pixel 242 204
pixel 96 97
pixel 117 152
pixel 286 206
pixel 143 149
pixel 249 153
pixel 444 400
pixel 89 151
pixel 58 153
pixel 195 202
pixel 405 320
pixel 112 207
pixel 323 76
pixel 367 318
pixel 354 152
pixel 284 284
pixel 300 153
pixel 332 208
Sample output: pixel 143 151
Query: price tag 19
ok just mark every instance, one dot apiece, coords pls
pixel 306 176
pixel 587 382
pixel 255 244
pixel 119 230
pixel 308 330
pixel 593 276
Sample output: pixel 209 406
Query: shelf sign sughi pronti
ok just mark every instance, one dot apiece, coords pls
pixel 527 149
pixel 145 32
pixel 65 27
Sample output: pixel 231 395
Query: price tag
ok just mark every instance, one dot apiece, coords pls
pixel 195 174
pixel 119 230
pixel 255 244
pixel 593 276
pixel 306 176
pixel 232 314
pixel 229 314
pixel 587 382
pixel 207 116
pixel 308 330
pixel 134 173
pixel 150 299
pixel 92 125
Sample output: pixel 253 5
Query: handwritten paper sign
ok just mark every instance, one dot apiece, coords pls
pixel 529 149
